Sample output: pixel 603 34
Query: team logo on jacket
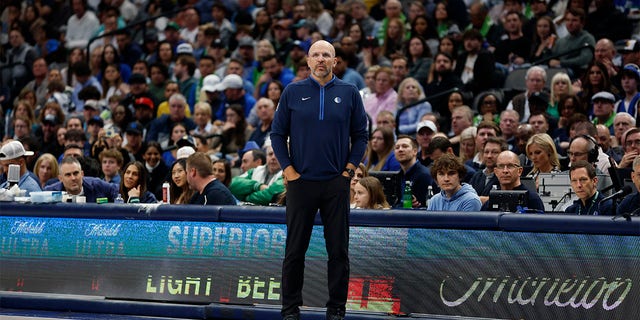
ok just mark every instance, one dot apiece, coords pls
pixel 337 99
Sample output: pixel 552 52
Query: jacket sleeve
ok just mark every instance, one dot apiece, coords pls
pixel 359 135
pixel 242 186
pixel 265 196
pixel 280 129
pixel 472 204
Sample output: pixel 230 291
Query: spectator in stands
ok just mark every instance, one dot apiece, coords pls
pixel 579 59
pixel 130 51
pixel 386 119
pixel 630 51
pixel 179 138
pixel 282 41
pixel 235 131
pixel 360 172
pixel 133 187
pixel 544 37
pixel 385 97
pixel 179 188
pixel 419 59
pixel 394 38
pixel 608 21
pixel 409 92
pixel 371 56
pixel 630 78
pixel 509 120
pixel 621 123
pixel 442 79
pixel 184 71
pixel 368 194
pixel 265 109
pixel 134 135
pixel 483 180
pixel 535 79
pixel 631 147
pixel 487 105
pixel 508 171
pixel 360 15
pixel 156 169
pixel 46 169
pixel 481 21
pixel 111 161
pixel 603 111
pixel 631 203
pixel 84 79
pixel 595 80
pixel 539 122
pixel 159 129
pixel 222 171
pixel 209 191
pixel 202 119
pixel 406 151
pixel 514 49
pixel 81 26
pixel 112 83
pixel 485 130
pixel 40 82
pixel 568 105
pixel 604 53
pixel 454 194
pixel 380 155
pixel 444 24
pixel 604 139
pixel 252 157
pixel 461 118
pixel 475 66
pixel 110 55
pixel 159 78
pixel 424 133
pixel 467 146
pixel 274 70
pixel 234 94
pixel 560 86
pixel 370 82
pixel 14 153
pixel 22 56
pixel 260 185
pixel 345 73
pixel 74 182
pixel 584 183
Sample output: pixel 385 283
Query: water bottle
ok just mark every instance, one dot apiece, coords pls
pixel 407 197
pixel 118 199
pixel 166 195
pixel 429 195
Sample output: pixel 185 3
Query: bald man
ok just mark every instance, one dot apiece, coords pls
pixel 324 119
pixel 604 53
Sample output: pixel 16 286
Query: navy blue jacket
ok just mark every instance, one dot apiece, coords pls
pixel 214 193
pixel 326 126
pixel 629 204
pixel 594 206
pixel 93 188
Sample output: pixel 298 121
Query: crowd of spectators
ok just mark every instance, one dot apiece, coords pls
pixel 139 91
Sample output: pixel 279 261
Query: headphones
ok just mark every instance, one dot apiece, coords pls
pixel 592 154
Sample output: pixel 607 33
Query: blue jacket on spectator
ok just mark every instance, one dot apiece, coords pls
pixel 466 199
pixel 92 189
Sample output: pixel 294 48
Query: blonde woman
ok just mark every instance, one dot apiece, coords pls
pixel 541 150
pixel 560 86
pixel 410 91
pixel 46 168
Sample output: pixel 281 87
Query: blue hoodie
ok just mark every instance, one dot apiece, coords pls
pixel 466 199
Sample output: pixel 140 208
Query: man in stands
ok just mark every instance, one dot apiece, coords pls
pixel 534 81
pixel 160 128
pixel 574 19
pixel 425 131
pixel 260 185
pixel 631 203
pixel 209 191
pixel 73 181
pixel 252 159
pixel 583 182
pixel 475 66
pixel 406 151
pixel 508 171
pixel 484 180
pixel 509 120
pixel 13 152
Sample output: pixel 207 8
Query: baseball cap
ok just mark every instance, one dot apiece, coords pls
pixel 51 119
pixel 427 124
pixel 603 95
pixel 143 102
pixel 184 48
pixel 137 78
pixel 231 81
pixel 13 150
pixel 185 152
pixel 91 104
pixel 250 145
pixel 209 83
pixel 96 120
pixel 539 97
pixel 217 43
pixel 151 35
pixel 627 46
pixel 172 25
pixel 631 69
pixel 186 141
pixel 134 128
pixel 246 42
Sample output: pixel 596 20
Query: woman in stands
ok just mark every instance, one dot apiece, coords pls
pixel 112 82
pixel 468 144
pixel 165 56
pixel 133 186
pixel 380 155
pixel 274 91
pixel 179 188
pixel 235 131
pixel 110 56
pixel 46 168
pixel 541 150
pixel 357 35
pixel 596 79
pixel 222 171
pixel 488 105
pixel 361 172
pixel 369 194
pixel 394 38
pixel 544 38
pixel 157 170
pixel 178 131
pixel 560 86
pixel 410 91
pixel 385 97
pixel 444 26
pixel 419 59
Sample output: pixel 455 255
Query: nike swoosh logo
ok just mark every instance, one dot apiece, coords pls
pixel 306 98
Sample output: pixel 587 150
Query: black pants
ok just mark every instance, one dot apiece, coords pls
pixel 304 198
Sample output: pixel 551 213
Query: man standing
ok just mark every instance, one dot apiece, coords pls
pixel 209 191
pixel 508 171
pixel 583 182
pixel 329 112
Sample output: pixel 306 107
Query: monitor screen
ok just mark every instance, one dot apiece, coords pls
pixel 390 184
pixel 507 200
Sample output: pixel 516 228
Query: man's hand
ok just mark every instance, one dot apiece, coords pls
pixel 627 159
pixel 290 174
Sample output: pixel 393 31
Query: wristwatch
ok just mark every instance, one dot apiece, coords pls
pixel 351 172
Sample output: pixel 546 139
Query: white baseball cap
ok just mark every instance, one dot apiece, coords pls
pixel 209 83
pixel 13 150
pixel 231 81
pixel 185 152
pixel 427 124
